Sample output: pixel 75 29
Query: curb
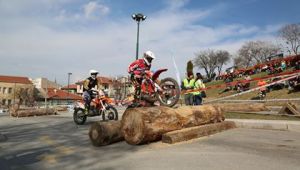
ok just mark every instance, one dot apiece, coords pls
pixel 267 124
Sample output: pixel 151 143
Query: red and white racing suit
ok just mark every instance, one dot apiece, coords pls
pixel 137 70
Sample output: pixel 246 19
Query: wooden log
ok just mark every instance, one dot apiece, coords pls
pixel 105 133
pixel 34 112
pixel 242 107
pixel 196 132
pixel 143 125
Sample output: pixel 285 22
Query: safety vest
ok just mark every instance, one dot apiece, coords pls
pixel 187 83
pixel 198 85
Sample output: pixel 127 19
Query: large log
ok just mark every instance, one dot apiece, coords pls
pixel 143 125
pixel 242 107
pixel 33 112
pixel 196 132
pixel 105 133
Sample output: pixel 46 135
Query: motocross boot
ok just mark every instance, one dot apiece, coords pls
pixel 137 98
pixel 86 109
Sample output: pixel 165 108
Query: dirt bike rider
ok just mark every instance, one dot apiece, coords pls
pixel 262 90
pixel 90 84
pixel 137 70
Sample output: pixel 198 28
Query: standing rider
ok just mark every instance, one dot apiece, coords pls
pixel 90 84
pixel 137 70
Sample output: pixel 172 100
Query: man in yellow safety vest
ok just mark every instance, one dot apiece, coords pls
pixel 199 85
pixel 189 84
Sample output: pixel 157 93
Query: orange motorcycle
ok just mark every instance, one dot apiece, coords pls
pixel 100 105
pixel 166 91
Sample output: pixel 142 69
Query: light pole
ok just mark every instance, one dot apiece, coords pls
pixel 69 74
pixel 138 18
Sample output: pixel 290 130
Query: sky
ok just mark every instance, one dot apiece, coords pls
pixel 50 38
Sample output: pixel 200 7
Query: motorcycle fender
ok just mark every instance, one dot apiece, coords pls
pixel 157 73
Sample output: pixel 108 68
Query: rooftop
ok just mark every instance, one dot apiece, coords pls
pixel 62 95
pixel 102 80
pixel 15 79
pixel 71 86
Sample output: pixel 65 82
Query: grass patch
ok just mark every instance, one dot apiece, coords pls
pixel 258 116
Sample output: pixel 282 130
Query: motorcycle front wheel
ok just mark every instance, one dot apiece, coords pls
pixel 110 113
pixel 79 117
pixel 170 92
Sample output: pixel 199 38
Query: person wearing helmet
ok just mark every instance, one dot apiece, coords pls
pixel 137 70
pixel 90 84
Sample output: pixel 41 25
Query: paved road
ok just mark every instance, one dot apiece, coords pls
pixel 55 142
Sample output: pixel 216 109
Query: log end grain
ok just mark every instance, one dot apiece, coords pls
pixel 133 126
pixel 105 133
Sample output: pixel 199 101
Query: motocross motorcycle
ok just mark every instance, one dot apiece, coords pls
pixel 100 105
pixel 262 94
pixel 166 91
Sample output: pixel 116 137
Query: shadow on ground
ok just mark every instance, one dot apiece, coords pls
pixel 56 142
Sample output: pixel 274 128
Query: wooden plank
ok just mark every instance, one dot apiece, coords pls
pixel 196 132
pixel 289 109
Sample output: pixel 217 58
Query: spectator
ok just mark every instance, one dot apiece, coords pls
pixel 297 65
pixel 188 84
pixel 228 81
pixel 198 86
pixel 262 90
pixel 283 65
pixel 264 68
pixel 244 85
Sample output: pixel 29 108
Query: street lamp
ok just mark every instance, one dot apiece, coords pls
pixel 69 74
pixel 138 18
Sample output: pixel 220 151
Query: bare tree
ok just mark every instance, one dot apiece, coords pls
pixel 210 60
pixel 223 57
pixel 245 57
pixel 26 96
pixel 254 52
pixel 20 94
pixel 291 34
pixel 267 49
pixel 205 60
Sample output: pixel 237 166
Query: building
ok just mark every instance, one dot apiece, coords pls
pixel 61 97
pixel 72 88
pixel 42 83
pixel 15 89
pixel 122 87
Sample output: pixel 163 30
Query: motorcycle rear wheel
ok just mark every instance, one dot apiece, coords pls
pixel 79 117
pixel 171 93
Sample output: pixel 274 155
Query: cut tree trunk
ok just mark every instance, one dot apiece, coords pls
pixel 196 132
pixel 33 112
pixel 105 133
pixel 242 107
pixel 143 125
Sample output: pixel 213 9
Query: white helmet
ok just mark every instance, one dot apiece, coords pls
pixel 93 72
pixel 148 57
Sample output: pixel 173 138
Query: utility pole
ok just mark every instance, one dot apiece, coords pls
pixel 69 74
pixel 46 104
